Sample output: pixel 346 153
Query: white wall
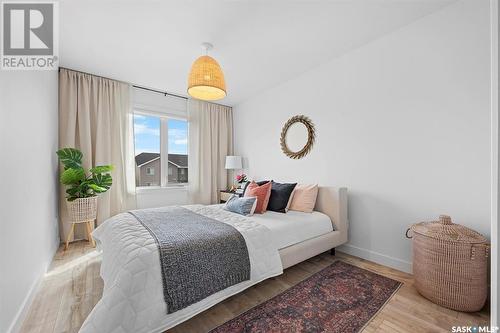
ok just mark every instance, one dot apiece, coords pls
pixel 149 101
pixel 403 122
pixel 495 172
pixel 28 191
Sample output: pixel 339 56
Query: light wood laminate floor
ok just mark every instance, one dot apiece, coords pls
pixel 73 286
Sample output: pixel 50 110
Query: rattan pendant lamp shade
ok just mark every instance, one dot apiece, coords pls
pixel 206 79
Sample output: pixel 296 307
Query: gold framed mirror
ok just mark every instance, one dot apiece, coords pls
pixel 297 137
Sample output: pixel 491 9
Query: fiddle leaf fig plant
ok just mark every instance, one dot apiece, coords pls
pixel 82 184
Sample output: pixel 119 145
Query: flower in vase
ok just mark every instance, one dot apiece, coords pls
pixel 241 178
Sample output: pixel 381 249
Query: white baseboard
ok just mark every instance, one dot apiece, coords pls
pixel 21 314
pixel 379 258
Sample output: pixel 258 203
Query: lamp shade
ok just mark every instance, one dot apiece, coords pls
pixel 206 80
pixel 233 162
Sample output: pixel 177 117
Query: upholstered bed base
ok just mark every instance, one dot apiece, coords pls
pixel 332 202
pixel 297 253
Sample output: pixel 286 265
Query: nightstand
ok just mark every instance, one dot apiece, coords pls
pixel 224 195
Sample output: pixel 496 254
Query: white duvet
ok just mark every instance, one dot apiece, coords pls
pixel 132 299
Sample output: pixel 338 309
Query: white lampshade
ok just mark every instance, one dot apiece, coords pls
pixel 233 162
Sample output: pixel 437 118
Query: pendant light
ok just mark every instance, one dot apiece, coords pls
pixel 206 80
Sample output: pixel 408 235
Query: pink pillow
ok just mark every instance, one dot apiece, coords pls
pixel 290 200
pixel 262 193
pixel 304 198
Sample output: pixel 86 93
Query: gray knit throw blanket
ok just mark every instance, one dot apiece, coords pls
pixel 199 256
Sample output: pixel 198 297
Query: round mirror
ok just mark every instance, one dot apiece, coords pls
pixel 297 137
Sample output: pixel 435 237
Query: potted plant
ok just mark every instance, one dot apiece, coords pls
pixel 82 188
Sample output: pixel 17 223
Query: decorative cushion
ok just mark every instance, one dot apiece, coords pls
pixel 262 182
pixel 243 206
pixel 262 193
pixel 280 194
pixel 304 198
pixel 290 200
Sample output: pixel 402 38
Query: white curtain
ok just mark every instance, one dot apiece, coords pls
pixel 210 141
pixel 95 117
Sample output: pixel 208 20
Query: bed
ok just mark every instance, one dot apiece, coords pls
pixel 132 299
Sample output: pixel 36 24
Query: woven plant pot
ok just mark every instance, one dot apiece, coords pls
pixel 450 264
pixel 82 209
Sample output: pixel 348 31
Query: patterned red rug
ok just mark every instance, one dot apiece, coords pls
pixel 340 298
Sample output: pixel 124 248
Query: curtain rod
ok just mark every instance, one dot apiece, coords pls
pixel 171 94
pixel 104 77
pixel 135 85
pixel 159 91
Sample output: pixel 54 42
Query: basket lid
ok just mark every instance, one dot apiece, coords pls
pixel 446 230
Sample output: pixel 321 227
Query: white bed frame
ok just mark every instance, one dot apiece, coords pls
pixel 332 202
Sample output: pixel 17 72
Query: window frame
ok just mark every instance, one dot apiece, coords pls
pixel 164 117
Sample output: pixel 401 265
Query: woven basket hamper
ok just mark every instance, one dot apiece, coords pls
pixel 82 209
pixel 450 264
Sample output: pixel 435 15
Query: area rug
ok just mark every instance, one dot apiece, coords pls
pixel 339 298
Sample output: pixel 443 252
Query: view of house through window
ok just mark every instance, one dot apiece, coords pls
pixel 177 151
pixel 161 148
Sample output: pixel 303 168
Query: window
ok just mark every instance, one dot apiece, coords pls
pixel 147 149
pixel 178 149
pixel 161 149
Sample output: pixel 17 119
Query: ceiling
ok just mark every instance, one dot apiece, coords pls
pixel 258 44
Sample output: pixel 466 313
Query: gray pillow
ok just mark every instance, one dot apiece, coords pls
pixel 243 206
